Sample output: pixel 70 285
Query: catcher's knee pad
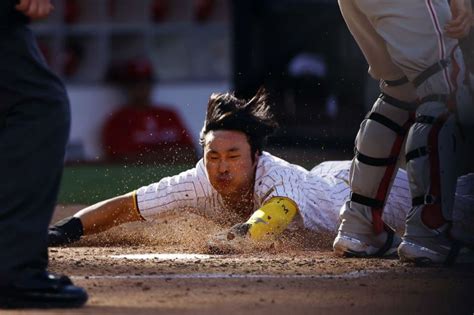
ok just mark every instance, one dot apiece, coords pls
pixel 377 148
pixel 431 155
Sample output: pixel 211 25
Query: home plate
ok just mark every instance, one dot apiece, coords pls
pixel 163 256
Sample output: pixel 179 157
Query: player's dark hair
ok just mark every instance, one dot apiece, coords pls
pixel 254 118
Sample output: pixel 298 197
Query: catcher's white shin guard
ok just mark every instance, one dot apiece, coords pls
pixel 380 139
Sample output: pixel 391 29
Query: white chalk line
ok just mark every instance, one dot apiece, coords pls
pixel 164 256
pixel 347 275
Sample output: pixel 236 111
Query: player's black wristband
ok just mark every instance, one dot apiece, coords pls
pixel 65 231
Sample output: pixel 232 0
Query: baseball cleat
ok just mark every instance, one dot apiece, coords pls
pixel 420 255
pixel 364 246
pixel 424 252
pixel 425 246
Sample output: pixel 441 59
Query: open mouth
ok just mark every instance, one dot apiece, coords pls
pixel 224 179
pixel 224 182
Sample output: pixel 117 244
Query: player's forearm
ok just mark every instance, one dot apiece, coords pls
pixel 94 219
pixel 268 221
pixel 272 218
pixel 109 213
pixel 265 224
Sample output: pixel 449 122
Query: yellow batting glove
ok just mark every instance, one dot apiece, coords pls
pixel 272 218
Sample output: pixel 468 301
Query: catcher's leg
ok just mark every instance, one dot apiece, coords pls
pixel 378 144
pixel 434 152
pixel 362 232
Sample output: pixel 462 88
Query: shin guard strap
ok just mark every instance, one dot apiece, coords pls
pixel 409 106
pixel 424 200
pixel 366 201
pixel 418 152
pixel 390 124
pixel 375 161
pixel 423 119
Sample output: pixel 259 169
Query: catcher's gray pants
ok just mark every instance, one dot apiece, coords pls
pixel 402 40
pixel 34 128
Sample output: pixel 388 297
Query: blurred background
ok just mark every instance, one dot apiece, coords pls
pixel 139 74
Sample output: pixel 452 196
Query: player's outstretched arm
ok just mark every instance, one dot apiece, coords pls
pixel 95 219
pixel 272 218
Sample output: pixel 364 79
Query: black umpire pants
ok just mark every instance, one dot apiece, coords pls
pixel 34 129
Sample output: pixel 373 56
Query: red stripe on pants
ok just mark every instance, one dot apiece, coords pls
pixel 432 214
pixel 382 191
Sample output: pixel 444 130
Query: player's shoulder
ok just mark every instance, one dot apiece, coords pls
pixel 269 160
pixel 271 164
pixel 331 167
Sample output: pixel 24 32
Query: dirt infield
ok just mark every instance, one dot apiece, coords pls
pixel 168 270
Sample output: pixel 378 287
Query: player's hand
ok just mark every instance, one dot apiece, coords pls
pixel 35 9
pixel 238 230
pixel 57 237
pixel 460 25
pixel 230 241
pixel 64 232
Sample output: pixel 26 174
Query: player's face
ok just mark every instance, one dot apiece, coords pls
pixel 229 162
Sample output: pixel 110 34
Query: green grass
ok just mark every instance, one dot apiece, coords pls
pixel 87 184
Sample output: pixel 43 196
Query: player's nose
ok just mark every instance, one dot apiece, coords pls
pixel 223 166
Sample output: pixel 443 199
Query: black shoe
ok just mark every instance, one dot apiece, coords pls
pixel 42 290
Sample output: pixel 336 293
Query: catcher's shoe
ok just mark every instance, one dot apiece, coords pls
pixel 424 246
pixel 349 244
pixel 356 237
pixel 436 250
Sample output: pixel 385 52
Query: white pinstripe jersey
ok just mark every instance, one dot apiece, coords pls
pixel 319 193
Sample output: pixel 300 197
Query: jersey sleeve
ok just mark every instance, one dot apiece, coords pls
pixel 182 191
pixel 280 182
pixel 327 190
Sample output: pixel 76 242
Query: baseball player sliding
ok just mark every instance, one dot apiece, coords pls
pixel 411 47
pixel 236 182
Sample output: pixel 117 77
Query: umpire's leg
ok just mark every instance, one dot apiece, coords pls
pixel 33 136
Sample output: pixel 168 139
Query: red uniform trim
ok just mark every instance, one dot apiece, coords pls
pixel 440 35
pixel 432 214
pixel 384 185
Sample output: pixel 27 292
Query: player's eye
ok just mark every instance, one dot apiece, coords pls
pixel 234 157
